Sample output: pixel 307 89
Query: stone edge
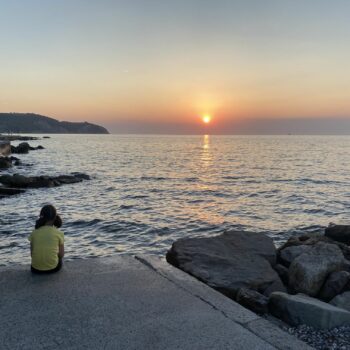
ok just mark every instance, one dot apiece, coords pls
pixel 262 328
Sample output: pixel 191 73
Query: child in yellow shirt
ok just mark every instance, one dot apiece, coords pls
pixel 47 242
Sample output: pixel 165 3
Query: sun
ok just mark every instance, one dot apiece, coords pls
pixel 206 119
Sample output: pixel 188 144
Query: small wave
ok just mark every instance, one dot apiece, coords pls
pixel 232 177
pixel 11 245
pixel 154 178
pixel 191 179
pixel 320 182
pixel 126 207
pixel 197 201
pixel 318 211
pixel 135 196
pixel 84 223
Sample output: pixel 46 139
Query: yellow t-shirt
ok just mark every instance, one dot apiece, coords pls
pixel 45 241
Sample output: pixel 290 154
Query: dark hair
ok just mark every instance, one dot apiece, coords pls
pixel 47 213
pixel 58 221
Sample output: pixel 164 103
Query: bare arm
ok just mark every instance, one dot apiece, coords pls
pixel 61 251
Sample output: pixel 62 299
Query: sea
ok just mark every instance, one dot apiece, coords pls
pixel 146 191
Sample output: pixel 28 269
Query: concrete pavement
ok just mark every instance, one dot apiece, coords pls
pixel 125 302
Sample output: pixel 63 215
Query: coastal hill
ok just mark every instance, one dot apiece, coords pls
pixel 39 124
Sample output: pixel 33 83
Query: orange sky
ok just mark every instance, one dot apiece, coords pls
pixel 166 62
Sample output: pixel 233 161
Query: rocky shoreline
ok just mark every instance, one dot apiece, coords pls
pixel 305 283
pixel 18 183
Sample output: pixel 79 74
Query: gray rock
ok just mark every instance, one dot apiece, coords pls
pixel 227 262
pixel 311 240
pixel 308 271
pixel 287 255
pixel 307 239
pixel 301 309
pixel 252 300
pixel 21 181
pixel 5 163
pixel 342 301
pixel 22 148
pixel 282 272
pixel 340 233
pixel 334 285
pixel 276 286
pixel 6 191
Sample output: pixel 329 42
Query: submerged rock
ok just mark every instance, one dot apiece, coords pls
pixel 229 261
pixel 6 191
pixel 21 181
pixel 301 309
pixel 308 271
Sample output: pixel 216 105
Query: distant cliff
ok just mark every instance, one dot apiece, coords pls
pixel 39 124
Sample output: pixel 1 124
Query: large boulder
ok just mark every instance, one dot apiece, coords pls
pixel 301 309
pixel 339 233
pixel 308 271
pixel 22 148
pixel 342 301
pixel 228 262
pixel 311 239
pixel 253 300
pixel 334 285
pixel 287 255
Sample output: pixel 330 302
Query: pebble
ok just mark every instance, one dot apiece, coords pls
pixel 337 338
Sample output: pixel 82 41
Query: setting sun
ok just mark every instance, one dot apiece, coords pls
pixel 206 119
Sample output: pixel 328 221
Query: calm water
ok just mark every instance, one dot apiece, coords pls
pixel 147 191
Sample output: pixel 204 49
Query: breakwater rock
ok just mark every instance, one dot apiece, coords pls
pixel 21 181
pixel 11 137
pixel 17 184
pixel 305 281
pixel 24 148
pixel 228 262
pixel 8 162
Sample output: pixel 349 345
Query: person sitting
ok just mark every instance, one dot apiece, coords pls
pixel 47 242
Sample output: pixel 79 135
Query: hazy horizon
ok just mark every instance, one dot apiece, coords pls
pixel 160 66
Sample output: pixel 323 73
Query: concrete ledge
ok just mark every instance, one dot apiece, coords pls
pixel 237 313
pixel 121 303
pixel 229 308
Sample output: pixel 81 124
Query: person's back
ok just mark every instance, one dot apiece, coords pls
pixel 47 242
pixel 45 247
